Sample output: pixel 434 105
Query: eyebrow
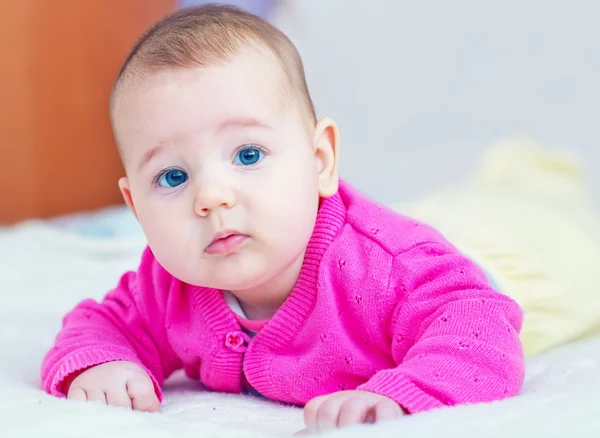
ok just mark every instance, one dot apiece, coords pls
pixel 241 122
pixel 149 155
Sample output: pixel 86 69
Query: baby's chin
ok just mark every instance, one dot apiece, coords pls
pixel 246 271
pixel 241 278
pixel 232 286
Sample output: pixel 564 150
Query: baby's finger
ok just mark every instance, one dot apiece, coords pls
pixel 143 397
pixel 353 411
pixel 328 413
pixel 96 395
pixel 76 394
pixel 310 412
pixel 118 397
pixel 386 410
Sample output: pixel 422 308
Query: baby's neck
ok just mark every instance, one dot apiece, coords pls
pixel 254 313
pixel 262 302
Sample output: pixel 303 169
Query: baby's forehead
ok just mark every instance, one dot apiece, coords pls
pixel 202 97
pixel 248 68
pixel 243 87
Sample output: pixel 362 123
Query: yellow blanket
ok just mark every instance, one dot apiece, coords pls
pixel 526 217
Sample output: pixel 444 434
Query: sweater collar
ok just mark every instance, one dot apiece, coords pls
pixel 290 317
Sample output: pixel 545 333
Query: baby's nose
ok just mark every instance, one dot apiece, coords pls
pixel 211 196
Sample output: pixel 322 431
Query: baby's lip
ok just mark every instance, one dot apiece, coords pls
pixel 225 242
pixel 223 235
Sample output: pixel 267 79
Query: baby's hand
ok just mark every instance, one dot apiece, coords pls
pixel 345 408
pixel 119 383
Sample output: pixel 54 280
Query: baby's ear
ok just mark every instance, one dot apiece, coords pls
pixel 126 192
pixel 326 147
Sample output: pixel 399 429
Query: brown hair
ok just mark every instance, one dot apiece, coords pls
pixel 203 35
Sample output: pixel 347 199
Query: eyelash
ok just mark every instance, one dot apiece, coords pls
pixel 160 174
pixel 157 178
pixel 250 146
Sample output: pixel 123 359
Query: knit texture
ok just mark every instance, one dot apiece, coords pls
pixel 383 303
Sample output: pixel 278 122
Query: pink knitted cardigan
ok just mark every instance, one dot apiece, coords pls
pixel 382 303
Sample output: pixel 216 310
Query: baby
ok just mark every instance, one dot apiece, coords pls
pixel 264 272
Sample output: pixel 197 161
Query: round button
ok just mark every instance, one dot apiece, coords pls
pixel 237 341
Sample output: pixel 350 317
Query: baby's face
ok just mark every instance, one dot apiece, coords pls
pixel 222 174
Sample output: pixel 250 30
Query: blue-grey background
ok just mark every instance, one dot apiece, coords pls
pixel 420 88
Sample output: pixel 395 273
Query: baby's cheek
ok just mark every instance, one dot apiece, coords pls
pixel 292 227
pixel 173 249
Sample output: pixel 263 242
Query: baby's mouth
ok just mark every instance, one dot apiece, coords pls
pixel 226 242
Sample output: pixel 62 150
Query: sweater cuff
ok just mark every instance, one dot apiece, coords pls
pixel 80 360
pixel 402 390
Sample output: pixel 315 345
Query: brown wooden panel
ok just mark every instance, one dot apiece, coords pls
pixel 58 63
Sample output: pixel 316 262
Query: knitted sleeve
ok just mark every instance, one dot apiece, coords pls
pixel 454 339
pixel 128 324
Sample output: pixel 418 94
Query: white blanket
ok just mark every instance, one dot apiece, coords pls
pixel 45 270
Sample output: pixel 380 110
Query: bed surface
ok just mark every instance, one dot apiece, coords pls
pixel 47 267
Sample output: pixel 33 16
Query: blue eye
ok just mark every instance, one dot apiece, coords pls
pixel 172 178
pixel 248 156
